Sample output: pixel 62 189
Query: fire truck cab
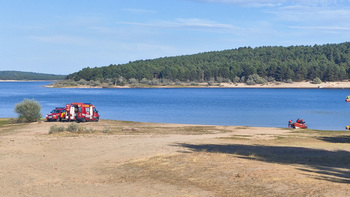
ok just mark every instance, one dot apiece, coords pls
pixel 81 112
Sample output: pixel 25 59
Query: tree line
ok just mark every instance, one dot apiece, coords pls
pixel 329 62
pixel 18 75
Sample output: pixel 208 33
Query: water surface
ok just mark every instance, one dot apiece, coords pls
pixel 320 108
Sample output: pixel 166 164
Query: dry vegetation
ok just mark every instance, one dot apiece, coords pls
pixel 146 159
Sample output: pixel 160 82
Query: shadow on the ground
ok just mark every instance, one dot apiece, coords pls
pixel 337 139
pixel 328 165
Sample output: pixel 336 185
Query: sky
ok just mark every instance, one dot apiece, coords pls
pixel 65 36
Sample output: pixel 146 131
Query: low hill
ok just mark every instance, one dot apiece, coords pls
pixel 329 62
pixel 18 75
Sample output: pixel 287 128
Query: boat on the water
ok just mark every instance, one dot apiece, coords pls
pixel 347 99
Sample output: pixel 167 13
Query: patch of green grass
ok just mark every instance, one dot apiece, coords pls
pixel 238 137
pixel 321 132
pixel 242 127
pixel 10 125
pixel 280 137
pixel 186 130
pixel 3 121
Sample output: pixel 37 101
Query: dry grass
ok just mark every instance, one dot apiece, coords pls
pixel 140 128
pixel 230 175
pixel 315 163
pixel 6 126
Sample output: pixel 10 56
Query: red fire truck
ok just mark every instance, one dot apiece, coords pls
pixel 81 112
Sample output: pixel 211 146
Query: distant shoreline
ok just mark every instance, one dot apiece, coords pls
pixel 11 80
pixel 277 85
pixel 293 85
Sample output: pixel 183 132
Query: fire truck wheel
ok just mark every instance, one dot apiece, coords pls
pixel 97 119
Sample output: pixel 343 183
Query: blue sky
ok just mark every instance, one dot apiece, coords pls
pixel 64 36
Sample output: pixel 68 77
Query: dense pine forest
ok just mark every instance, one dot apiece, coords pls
pixel 330 62
pixel 18 75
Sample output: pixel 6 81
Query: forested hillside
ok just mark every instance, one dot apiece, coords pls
pixel 330 62
pixel 17 75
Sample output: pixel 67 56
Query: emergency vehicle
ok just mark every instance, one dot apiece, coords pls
pixel 57 114
pixel 81 112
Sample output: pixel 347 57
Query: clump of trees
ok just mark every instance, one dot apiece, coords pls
pixel 28 110
pixel 18 75
pixel 330 62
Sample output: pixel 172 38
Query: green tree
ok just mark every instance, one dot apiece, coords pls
pixel 28 110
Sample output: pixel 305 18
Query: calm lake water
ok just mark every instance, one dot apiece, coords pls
pixel 323 109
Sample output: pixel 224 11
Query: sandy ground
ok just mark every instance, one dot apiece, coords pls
pixel 340 84
pixel 136 163
pixel 304 84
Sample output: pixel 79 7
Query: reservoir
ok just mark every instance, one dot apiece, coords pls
pixel 323 109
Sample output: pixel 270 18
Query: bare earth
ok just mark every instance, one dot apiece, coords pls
pixel 148 159
pixel 303 84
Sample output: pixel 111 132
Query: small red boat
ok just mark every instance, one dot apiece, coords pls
pixel 299 124
pixel 347 99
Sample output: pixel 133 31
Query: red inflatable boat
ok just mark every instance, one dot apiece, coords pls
pixel 296 125
pixel 300 124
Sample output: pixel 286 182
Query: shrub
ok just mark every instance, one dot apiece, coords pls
pixel 56 129
pixel 14 121
pixel 28 110
pixel 154 82
pixel 64 83
pixel 73 128
pixel 178 82
pixel 95 83
pixel 255 79
pixel 250 82
pixel 82 82
pixel 106 129
pixel 219 79
pixel 271 79
pixel 166 82
pixel 133 81
pixel 289 81
pixel 211 82
pixel 236 79
pixel 144 81
pixel 317 81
